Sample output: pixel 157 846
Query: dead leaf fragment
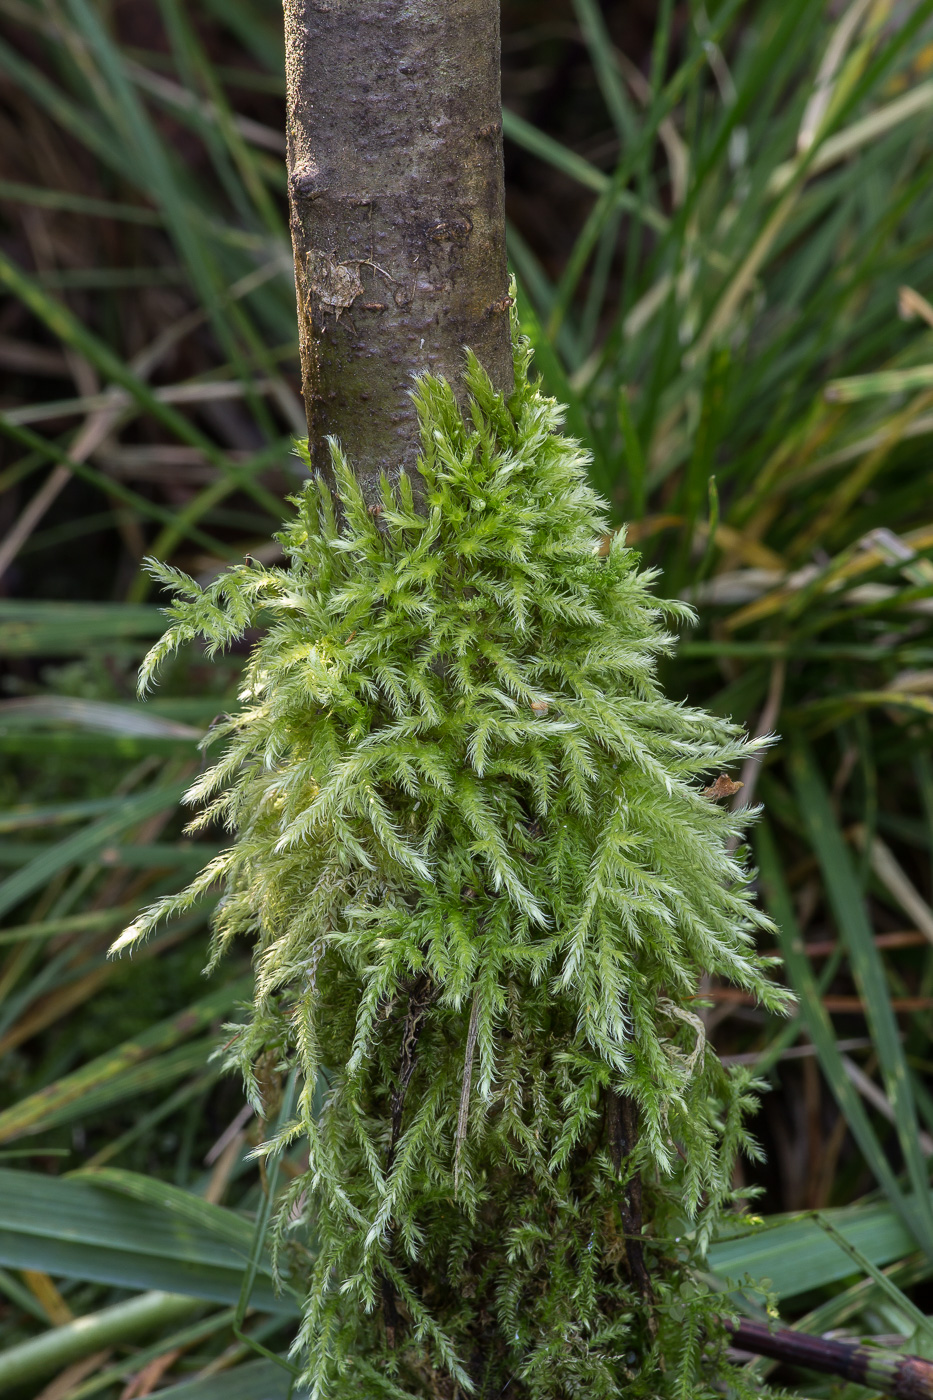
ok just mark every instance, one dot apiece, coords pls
pixel 336 285
pixel 724 786
pixel 146 1380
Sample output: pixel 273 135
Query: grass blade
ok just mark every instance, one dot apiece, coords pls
pixel 112 1077
pixel 245 1383
pixel 85 844
pixel 798 1256
pixel 71 1227
pixel 62 1345
pixel 855 931
pixel 821 1030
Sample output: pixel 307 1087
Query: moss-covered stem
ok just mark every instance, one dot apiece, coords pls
pixel 482 869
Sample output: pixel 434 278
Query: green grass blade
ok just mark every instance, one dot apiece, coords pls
pixel 144 855
pixel 113 1077
pixel 140 137
pixel 29 816
pixel 127 1087
pixel 145 1121
pixel 106 484
pixel 259 1237
pixel 798 1256
pixel 183 1205
pixel 256 1378
pixel 71 116
pixel 539 144
pixel 61 1346
pixel 68 202
pixel 35 710
pixel 13 1290
pixel 85 845
pixel 72 332
pixel 867 386
pixel 183 1338
pixel 855 931
pixel 922 1323
pixel 197 73
pixel 820 1028
pixel 71 1228
pixel 63 628
pixel 599 45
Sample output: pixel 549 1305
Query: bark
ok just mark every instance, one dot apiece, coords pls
pixel 397 214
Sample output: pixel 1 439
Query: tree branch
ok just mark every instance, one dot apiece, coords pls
pixel 397 215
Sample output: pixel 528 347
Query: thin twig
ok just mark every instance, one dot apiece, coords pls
pixel 421 994
pixel 903 1377
pixel 878 1099
pixel 464 1113
pixel 766 722
pixel 104 409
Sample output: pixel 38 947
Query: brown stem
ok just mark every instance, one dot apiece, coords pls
pixel 421 994
pixel 904 1377
pixel 622 1134
pixel 397 214
pixel 389 1312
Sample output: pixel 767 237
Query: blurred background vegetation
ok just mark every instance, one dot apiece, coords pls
pixel 721 219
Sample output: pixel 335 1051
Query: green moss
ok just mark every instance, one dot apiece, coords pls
pixel 482 881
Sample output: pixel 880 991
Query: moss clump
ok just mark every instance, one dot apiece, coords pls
pixel 481 879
